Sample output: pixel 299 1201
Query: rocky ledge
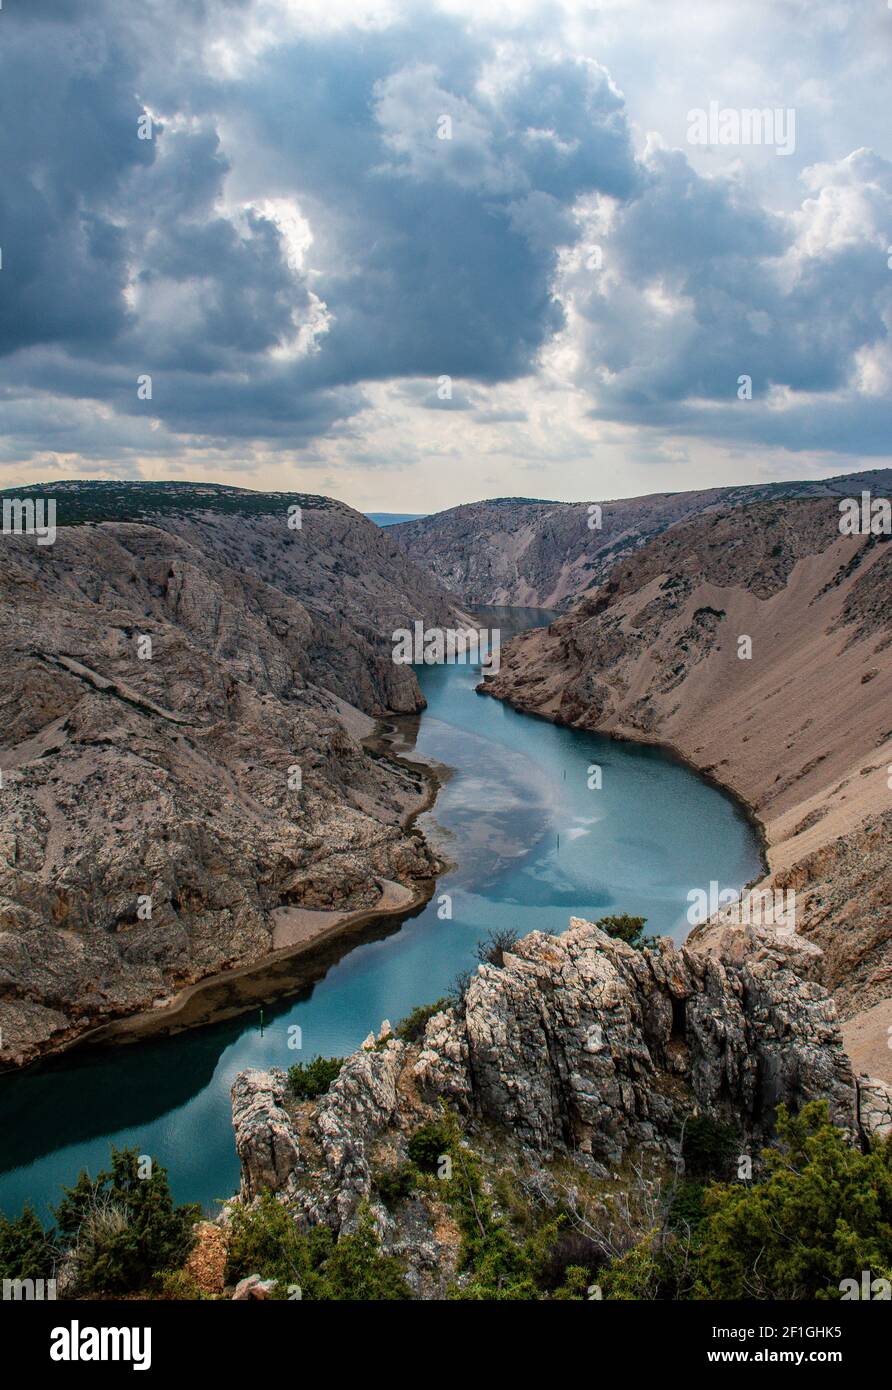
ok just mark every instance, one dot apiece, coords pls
pixel 579 1048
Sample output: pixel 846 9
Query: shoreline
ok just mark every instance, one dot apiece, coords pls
pixel 670 750
pixel 285 970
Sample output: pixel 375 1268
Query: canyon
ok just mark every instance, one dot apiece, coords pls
pixel 541 554
pixel 191 785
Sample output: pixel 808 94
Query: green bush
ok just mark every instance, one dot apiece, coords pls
pixel 428 1145
pixel 395 1184
pixel 309 1080
pixel 503 1268
pixel 265 1240
pixel 822 1214
pixel 576 1284
pixel 121 1228
pixel 627 929
pixel 412 1027
pixel 644 1272
pixel 687 1209
pixel 26 1250
pixel 176 1284
pixel 356 1269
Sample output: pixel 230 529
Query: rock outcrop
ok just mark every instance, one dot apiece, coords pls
pixel 578 1048
pixel 264 1139
pixel 183 700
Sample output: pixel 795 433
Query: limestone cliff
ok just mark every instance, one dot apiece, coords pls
pixel 578 1049
pixel 182 698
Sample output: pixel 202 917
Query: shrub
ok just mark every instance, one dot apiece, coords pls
pixel 357 1270
pixel 641 1273
pixel 122 1229
pixel 497 945
pixel 458 991
pixel 429 1143
pixel 576 1284
pixel 822 1214
pixel 503 1268
pixel 412 1027
pixel 309 1080
pixel 264 1239
pixel 627 929
pixel 26 1250
pixel 687 1209
pixel 177 1284
pixel 395 1184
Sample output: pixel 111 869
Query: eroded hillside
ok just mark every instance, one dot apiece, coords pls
pixel 801 728
pixel 182 701
pixel 542 554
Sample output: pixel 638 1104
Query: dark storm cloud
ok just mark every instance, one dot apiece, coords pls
pixel 708 288
pixel 66 145
pixel 434 256
pixel 429 256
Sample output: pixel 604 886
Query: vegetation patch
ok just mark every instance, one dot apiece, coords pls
pixel 309 1080
pixel 265 1240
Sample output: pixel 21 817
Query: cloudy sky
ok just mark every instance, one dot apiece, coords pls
pixel 413 255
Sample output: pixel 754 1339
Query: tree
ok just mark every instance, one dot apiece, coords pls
pixel 822 1214
pixel 26 1250
pixel 122 1227
pixel 627 929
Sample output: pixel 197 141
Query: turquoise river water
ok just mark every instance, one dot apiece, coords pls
pixel 532 845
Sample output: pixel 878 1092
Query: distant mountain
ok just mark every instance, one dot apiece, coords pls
pixel 84 500
pixel 542 554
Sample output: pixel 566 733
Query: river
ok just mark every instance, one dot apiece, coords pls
pixel 533 840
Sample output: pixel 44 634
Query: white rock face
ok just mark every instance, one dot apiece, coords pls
pixel 264 1137
pixel 678 1033
pixel 875 1107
